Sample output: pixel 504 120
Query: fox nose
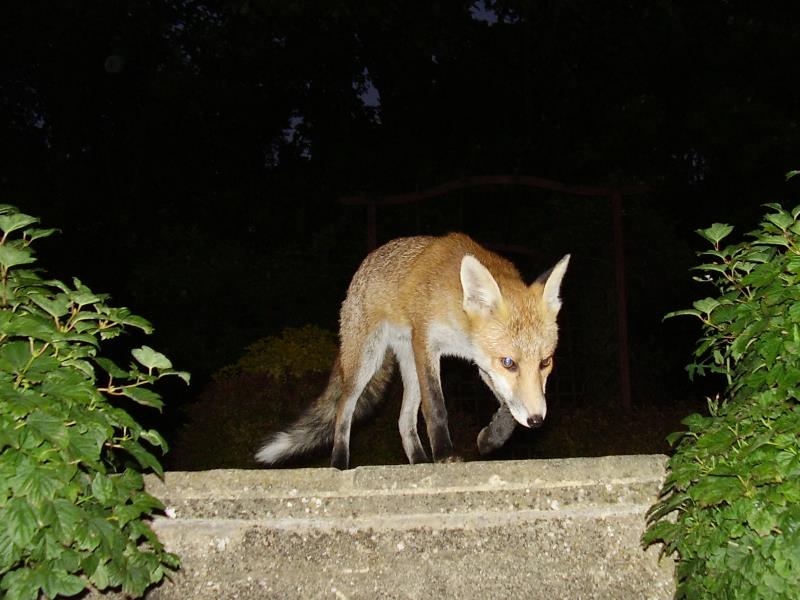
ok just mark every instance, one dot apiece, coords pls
pixel 535 421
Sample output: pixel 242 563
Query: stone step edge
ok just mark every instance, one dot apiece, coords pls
pixel 430 521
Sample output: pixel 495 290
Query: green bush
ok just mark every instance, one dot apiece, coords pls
pixel 296 352
pixel 275 379
pixel 72 500
pixel 730 506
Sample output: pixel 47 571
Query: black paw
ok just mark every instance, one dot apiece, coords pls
pixel 454 458
pixel 485 445
pixel 449 458
pixel 340 459
pixel 419 456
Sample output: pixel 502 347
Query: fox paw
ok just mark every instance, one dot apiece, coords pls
pixel 487 444
pixel 452 458
pixel 484 445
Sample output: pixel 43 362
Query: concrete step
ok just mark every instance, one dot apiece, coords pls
pixel 566 528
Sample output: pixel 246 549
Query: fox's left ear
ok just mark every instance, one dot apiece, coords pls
pixel 551 280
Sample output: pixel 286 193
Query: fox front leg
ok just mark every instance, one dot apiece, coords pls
pixel 433 408
pixel 497 432
pixel 436 421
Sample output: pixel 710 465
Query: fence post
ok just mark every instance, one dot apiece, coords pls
pixel 622 301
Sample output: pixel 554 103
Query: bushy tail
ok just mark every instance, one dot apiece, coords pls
pixel 314 428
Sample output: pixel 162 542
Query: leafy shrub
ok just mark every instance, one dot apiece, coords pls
pixel 296 352
pixel 276 378
pixel 72 500
pixel 730 506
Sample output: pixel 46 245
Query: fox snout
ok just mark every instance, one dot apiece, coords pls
pixel 535 421
pixel 531 418
pixel 528 418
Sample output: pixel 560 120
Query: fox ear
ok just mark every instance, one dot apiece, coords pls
pixel 551 280
pixel 481 292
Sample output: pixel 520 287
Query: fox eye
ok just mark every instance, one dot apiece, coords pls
pixel 546 362
pixel 508 363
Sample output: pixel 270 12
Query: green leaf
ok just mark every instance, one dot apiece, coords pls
pixel 679 313
pixel 70 385
pixel 706 305
pixel 793 264
pixel 142 456
pixel 103 489
pixel 719 268
pixel 124 317
pixel 35 234
pixel 136 580
pixel 9 223
pixel 56 306
pixel 19 519
pixel 183 375
pixel 102 577
pixel 35 326
pixel 19 585
pixel 81 365
pixel 66 519
pixel 668 505
pixel 111 368
pixel 66 584
pixel 716 441
pixel 716 233
pixel 675 437
pixel 40 367
pixel 773 240
pixel 661 531
pixel 86 315
pixel 14 356
pixel 781 219
pixel 143 396
pixel 762 521
pixel 126 513
pixel 108 536
pixel 712 490
pixel 36 482
pixel 84 296
pixel 55 582
pixel 85 445
pixel 81 334
pixel 49 427
pixel 150 358
pixel 155 438
pixel 11 256
pixel 9 552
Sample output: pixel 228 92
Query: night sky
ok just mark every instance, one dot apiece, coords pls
pixel 194 156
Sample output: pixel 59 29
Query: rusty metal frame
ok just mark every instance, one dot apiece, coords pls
pixel 615 194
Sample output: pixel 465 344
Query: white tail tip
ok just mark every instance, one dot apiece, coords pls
pixel 275 450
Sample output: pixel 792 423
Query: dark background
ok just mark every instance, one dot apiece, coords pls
pixel 194 154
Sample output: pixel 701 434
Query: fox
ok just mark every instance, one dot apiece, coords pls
pixel 412 301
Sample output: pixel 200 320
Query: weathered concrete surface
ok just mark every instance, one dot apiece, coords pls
pixel 552 529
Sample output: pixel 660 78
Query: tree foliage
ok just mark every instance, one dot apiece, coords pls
pixel 165 95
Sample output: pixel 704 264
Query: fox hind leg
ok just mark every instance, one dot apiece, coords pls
pixel 355 381
pixel 407 422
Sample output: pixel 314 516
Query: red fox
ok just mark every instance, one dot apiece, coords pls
pixel 412 301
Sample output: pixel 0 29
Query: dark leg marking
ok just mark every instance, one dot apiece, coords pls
pixel 497 432
pixel 436 420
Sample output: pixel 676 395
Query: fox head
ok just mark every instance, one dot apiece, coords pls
pixel 514 334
